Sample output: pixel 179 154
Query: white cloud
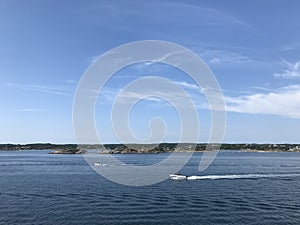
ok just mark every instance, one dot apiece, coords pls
pixel 187 85
pixel 290 47
pixel 71 81
pixel 30 110
pixel 127 97
pixel 142 13
pixel 215 57
pixel 154 94
pixel 59 90
pixel 283 102
pixel 215 61
pixel 292 70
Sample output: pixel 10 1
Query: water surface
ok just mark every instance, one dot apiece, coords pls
pixel 238 188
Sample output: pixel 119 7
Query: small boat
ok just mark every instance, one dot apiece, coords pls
pixel 177 176
pixel 100 164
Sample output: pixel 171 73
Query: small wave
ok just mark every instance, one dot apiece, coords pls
pixel 239 176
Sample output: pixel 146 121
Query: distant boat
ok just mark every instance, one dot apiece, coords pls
pixel 177 176
pixel 100 164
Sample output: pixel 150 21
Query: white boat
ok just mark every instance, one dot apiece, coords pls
pixel 177 176
pixel 100 164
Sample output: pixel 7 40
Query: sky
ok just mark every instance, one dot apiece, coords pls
pixel 252 47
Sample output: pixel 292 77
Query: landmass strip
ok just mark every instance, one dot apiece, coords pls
pixel 148 148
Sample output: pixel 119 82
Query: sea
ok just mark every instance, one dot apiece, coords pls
pixel 237 188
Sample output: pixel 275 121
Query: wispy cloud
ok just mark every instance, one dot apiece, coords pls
pixel 290 47
pixel 141 14
pixel 215 57
pixel 58 90
pixel 283 102
pixel 188 86
pixel 154 95
pixel 71 81
pixel 30 110
pixel 292 70
pixel 215 61
pixel 216 17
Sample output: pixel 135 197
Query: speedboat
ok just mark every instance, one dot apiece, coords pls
pixel 177 176
pixel 100 164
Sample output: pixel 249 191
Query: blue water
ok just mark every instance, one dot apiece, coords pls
pixel 239 188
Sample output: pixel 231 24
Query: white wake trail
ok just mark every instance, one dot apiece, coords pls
pixel 239 176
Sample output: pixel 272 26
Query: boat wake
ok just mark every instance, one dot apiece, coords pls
pixel 239 176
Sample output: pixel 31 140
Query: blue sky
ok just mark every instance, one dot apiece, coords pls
pixel 253 48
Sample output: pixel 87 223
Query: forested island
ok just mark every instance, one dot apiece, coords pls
pixel 148 148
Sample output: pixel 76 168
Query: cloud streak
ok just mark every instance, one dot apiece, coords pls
pixel 30 110
pixel 142 14
pixel 216 57
pixel 59 90
pixel 108 95
pixel 292 70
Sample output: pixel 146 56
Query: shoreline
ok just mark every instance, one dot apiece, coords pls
pixel 150 148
